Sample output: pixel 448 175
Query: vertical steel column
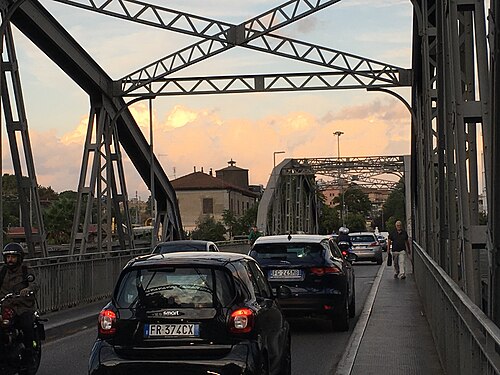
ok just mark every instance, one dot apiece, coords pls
pixel 425 106
pixel 102 159
pixel 492 145
pixel 17 131
pixel 458 24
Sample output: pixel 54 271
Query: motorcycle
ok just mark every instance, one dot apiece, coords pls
pixel 346 250
pixel 14 358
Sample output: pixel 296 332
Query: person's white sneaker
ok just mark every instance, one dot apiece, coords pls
pixel 402 276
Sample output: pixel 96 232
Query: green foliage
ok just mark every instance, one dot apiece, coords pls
pixel 356 222
pixel 394 207
pixel 59 219
pixel 208 229
pixel 357 201
pixel 240 225
pixel 47 194
pixel 329 219
pixel 357 208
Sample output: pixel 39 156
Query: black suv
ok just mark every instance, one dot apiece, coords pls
pixel 319 279
pixel 192 313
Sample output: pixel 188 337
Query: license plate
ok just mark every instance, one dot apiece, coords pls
pixel 285 274
pixel 171 330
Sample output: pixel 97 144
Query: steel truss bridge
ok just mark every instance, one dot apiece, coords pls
pixel 290 201
pixel 454 79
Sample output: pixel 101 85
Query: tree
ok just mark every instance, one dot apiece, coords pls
pixel 356 222
pixel 394 207
pixel 357 201
pixel 59 219
pixel 329 218
pixel 208 229
pixel 240 225
pixel 47 194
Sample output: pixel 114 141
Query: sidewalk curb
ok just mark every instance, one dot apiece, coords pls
pixel 346 363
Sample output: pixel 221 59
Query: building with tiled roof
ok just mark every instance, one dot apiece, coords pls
pixel 202 194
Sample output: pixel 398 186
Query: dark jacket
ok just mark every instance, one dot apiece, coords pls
pixel 344 238
pixel 13 282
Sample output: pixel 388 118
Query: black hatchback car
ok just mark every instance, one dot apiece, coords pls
pixel 320 279
pixel 192 313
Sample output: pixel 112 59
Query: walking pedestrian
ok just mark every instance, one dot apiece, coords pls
pixel 398 246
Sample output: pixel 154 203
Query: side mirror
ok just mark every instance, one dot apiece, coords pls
pixel 283 291
pixel 30 278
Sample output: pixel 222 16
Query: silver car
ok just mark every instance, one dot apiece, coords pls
pixel 366 246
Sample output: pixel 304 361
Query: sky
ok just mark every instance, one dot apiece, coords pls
pixel 208 131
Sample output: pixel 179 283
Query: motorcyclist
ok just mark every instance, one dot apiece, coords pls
pixel 18 278
pixel 344 236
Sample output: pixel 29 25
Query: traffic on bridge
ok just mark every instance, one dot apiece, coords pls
pixel 380 256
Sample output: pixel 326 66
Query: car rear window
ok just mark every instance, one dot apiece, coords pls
pixel 362 238
pixel 173 248
pixel 175 287
pixel 288 251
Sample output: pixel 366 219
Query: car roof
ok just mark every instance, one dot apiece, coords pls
pixel 184 242
pixel 292 238
pixel 191 257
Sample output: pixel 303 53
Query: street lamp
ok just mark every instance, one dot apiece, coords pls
pixel 274 157
pixel 338 133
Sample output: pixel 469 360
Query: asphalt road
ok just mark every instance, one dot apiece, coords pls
pixel 316 349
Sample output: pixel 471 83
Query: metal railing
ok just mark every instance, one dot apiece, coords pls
pixel 467 341
pixel 71 280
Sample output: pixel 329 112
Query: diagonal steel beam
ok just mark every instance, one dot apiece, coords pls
pixel 254 28
pixel 157 16
pixel 186 23
pixel 251 34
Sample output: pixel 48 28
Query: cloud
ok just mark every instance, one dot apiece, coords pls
pixel 188 138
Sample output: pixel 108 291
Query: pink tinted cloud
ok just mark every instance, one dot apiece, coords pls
pixel 186 138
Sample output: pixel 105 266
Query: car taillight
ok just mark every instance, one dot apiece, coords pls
pixel 241 321
pixel 374 244
pixel 107 323
pixel 7 315
pixel 320 271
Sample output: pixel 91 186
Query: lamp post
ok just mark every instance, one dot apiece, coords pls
pixel 338 133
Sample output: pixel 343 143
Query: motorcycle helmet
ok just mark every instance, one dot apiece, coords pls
pixel 13 248
pixel 344 230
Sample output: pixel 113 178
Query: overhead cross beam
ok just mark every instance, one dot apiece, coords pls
pixel 232 84
pixel 253 34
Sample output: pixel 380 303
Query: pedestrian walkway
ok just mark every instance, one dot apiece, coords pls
pixel 392 335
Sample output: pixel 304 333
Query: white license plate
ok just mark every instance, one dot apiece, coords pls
pixel 171 330
pixel 285 274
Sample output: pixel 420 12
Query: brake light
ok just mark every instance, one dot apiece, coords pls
pixel 344 253
pixel 7 315
pixel 241 321
pixel 107 323
pixel 374 244
pixel 320 271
